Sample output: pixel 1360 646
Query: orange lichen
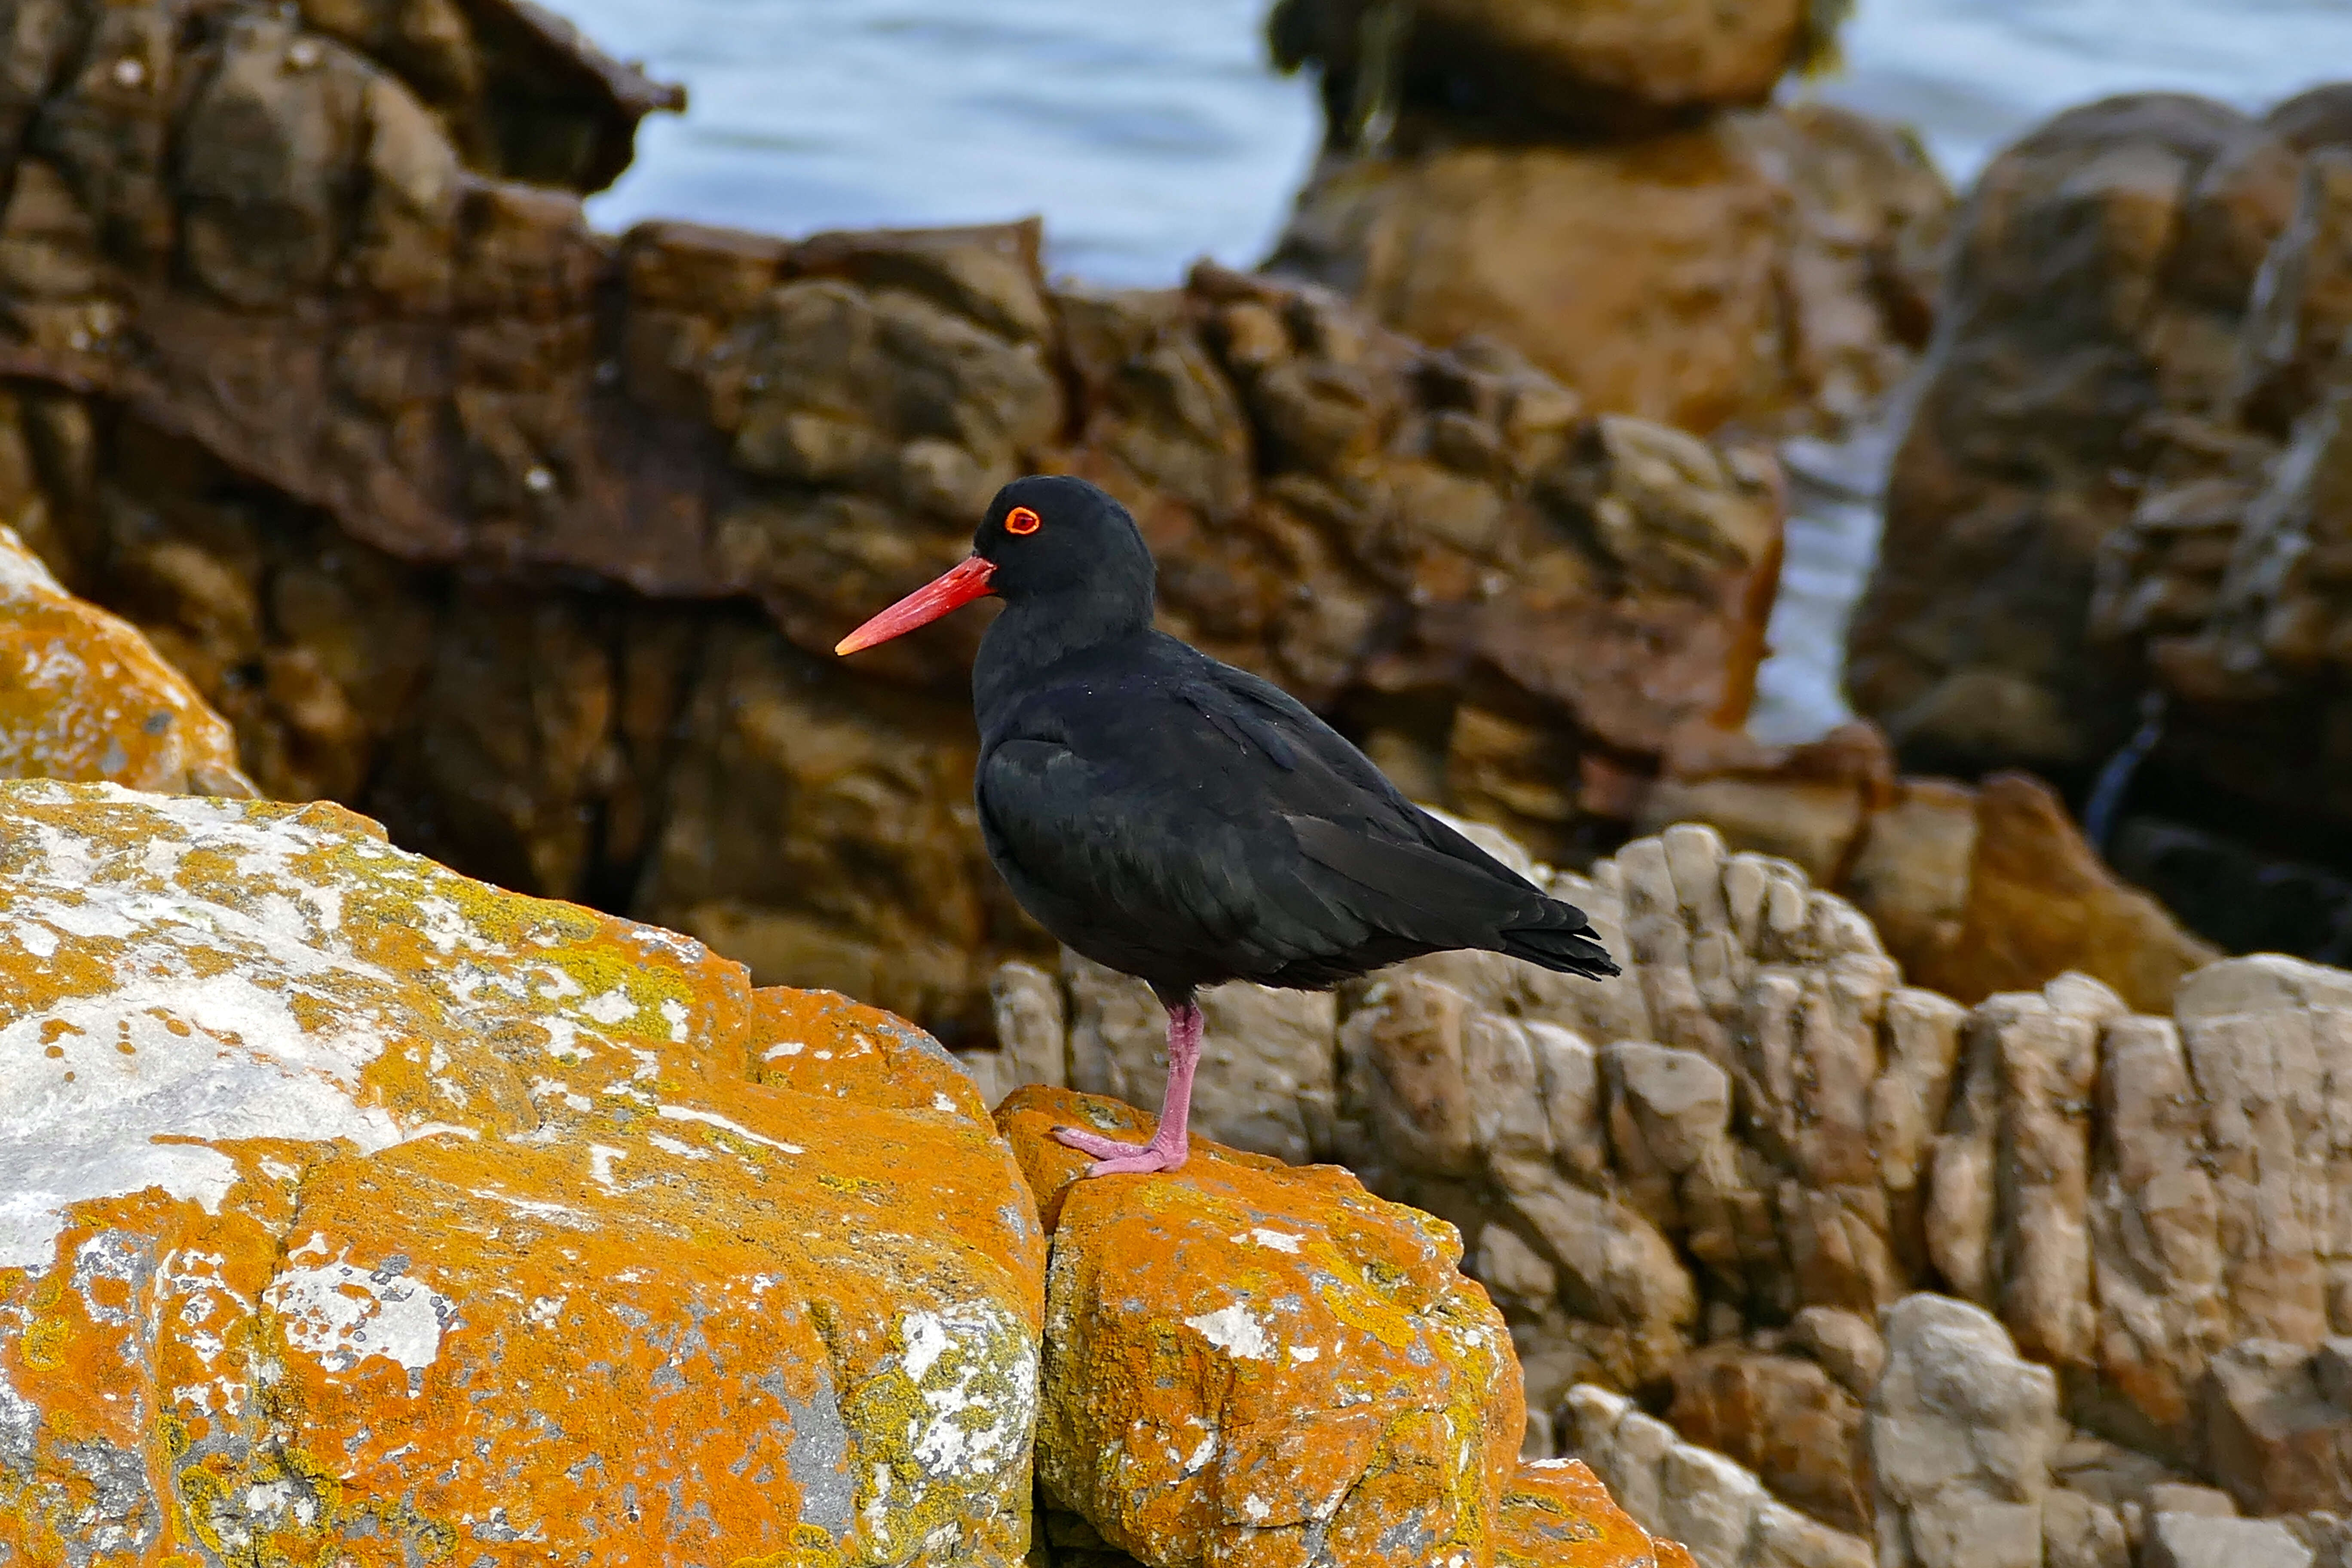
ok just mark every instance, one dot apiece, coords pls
pixel 1557 1514
pixel 1248 1364
pixel 521 1265
pixel 83 696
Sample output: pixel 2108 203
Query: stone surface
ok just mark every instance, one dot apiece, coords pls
pixel 2129 232
pixel 2198 1540
pixel 1250 1364
pixel 2273 1436
pixel 1960 1436
pixel 1540 68
pixel 85 699
pixel 1713 1507
pixel 1973 890
pixel 1771 267
pixel 1782 1418
pixel 355 1208
pixel 1557 1514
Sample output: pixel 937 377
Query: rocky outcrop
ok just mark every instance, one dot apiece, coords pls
pixel 352 1201
pixel 1973 890
pixel 2121 242
pixel 1775 1144
pixel 1760 268
pixel 1571 179
pixel 1716 1510
pixel 533 543
pixel 1248 1363
pixel 84 697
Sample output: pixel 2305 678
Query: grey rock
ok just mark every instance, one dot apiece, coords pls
pixel 2203 1540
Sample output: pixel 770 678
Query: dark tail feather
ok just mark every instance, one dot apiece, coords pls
pixel 1566 946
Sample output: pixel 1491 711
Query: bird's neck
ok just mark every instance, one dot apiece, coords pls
pixel 1034 635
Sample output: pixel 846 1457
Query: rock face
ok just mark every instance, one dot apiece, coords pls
pixel 1252 1364
pixel 83 697
pixel 1962 1433
pixel 533 543
pixel 1764 268
pixel 1973 890
pixel 2129 232
pixel 1776 1145
pixel 355 1206
pixel 1718 1510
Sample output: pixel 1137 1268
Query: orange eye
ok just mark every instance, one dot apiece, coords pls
pixel 1020 520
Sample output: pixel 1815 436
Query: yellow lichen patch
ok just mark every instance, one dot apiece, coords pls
pixel 425 1222
pixel 821 1042
pixel 1250 1365
pixel 1557 1514
pixel 83 696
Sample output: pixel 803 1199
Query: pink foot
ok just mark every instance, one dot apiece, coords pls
pixel 1113 1158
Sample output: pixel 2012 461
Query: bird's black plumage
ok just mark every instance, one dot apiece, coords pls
pixel 1178 819
pixel 1183 821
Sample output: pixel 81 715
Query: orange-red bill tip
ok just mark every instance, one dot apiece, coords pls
pixel 949 591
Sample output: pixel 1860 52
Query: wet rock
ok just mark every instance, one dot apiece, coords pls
pixel 2129 230
pixel 327 1165
pixel 84 697
pixel 520 91
pixel 1748 268
pixel 1961 1433
pixel 1249 1362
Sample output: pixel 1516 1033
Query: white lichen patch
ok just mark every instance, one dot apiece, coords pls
pixel 1235 1331
pixel 712 1119
pixel 342 1314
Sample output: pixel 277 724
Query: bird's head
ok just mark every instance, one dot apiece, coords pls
pixel 1046 537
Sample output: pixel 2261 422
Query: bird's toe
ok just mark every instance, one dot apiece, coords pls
pixel 1094 1143
pixel 1113 1158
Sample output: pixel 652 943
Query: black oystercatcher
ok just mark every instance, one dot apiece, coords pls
pixel 1183 821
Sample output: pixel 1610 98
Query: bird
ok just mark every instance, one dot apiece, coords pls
pixel 1180 820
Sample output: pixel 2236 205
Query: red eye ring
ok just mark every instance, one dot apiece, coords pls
pixel 1020 520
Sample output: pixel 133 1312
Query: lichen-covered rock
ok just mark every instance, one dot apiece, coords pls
pixel 352 1209
pixel 1557 1514
pixel 84 697
pixel 1248 1363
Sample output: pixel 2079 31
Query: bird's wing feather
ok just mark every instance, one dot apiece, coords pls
pixel 1099 835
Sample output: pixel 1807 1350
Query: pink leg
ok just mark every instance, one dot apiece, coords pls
pixel 1169 1143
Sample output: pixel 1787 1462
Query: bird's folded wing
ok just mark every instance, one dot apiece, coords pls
pixel 1107 836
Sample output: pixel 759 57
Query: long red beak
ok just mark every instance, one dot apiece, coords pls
pixel 949 591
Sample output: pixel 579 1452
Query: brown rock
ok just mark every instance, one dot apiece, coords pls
pixel 2272 1437
pixel 1730 271
pixel 1784 1418
pixel 2129 230
pixel 2040 903
pixel 1521 67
